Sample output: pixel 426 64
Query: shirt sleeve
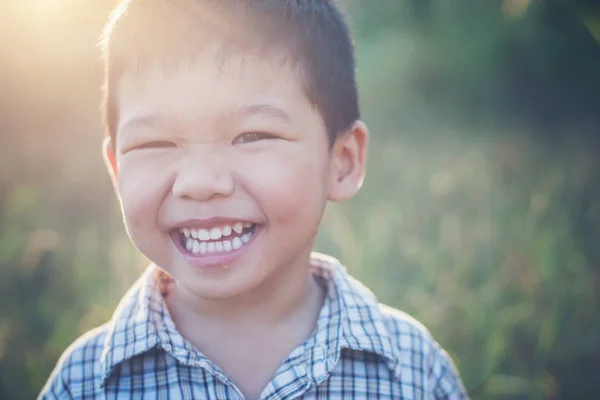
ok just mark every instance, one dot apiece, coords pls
pixel 444 378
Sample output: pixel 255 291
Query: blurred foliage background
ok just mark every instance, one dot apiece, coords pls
pixel 480 215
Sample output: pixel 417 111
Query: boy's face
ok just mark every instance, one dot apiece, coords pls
pixel 215 147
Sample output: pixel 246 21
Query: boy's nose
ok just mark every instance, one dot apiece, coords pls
pixel 202 178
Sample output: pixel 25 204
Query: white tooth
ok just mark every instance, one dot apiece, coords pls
pixel 215 233
pixel 238 227
pixel 196 247
pixel 203 247
pixel 246 237
pixel 226 230
pixel 236 243
pixel 189 244
pixel 219 246
pixel 194 233
pixel 203 234
pixel 211 247
pixel 227 245
pixel 186 232
pixel 247 224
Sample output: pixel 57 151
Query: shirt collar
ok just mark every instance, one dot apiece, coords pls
pixel 349 319
pixel 140 323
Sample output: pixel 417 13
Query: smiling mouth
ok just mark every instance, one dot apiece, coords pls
pixel 217 240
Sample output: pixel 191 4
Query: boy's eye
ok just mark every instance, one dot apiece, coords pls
pixel 153 145
pixel 250 137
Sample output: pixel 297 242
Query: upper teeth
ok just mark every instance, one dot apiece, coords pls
pixel 215 233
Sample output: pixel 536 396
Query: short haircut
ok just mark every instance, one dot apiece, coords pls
pixel 313 34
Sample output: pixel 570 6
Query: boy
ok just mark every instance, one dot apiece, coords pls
pixel 230 124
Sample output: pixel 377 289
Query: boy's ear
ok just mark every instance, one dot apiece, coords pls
pixel 110 160
pixel 348 162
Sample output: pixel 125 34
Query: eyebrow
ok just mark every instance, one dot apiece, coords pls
pixel 266 110
pixel 141 122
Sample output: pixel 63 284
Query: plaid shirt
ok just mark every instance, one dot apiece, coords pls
pixel 359 350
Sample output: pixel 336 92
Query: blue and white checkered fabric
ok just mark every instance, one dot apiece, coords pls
pixel 359 350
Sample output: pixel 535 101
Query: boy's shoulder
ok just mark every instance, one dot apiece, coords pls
pixel 412 353
pixel 402 326
pixel 78 366
pixel 82 367
pixel 411 340
pixel 415 348
pixel 398 325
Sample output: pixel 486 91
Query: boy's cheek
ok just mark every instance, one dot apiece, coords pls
pixel 291 188
pixel 137 221
pixel 140 194
pixel 286 173
pixel 297 168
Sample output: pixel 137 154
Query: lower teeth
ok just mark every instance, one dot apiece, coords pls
pixel 201 247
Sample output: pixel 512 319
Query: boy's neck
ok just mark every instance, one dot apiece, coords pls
pixel 249 336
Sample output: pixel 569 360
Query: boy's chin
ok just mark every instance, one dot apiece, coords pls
pixel 228 286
